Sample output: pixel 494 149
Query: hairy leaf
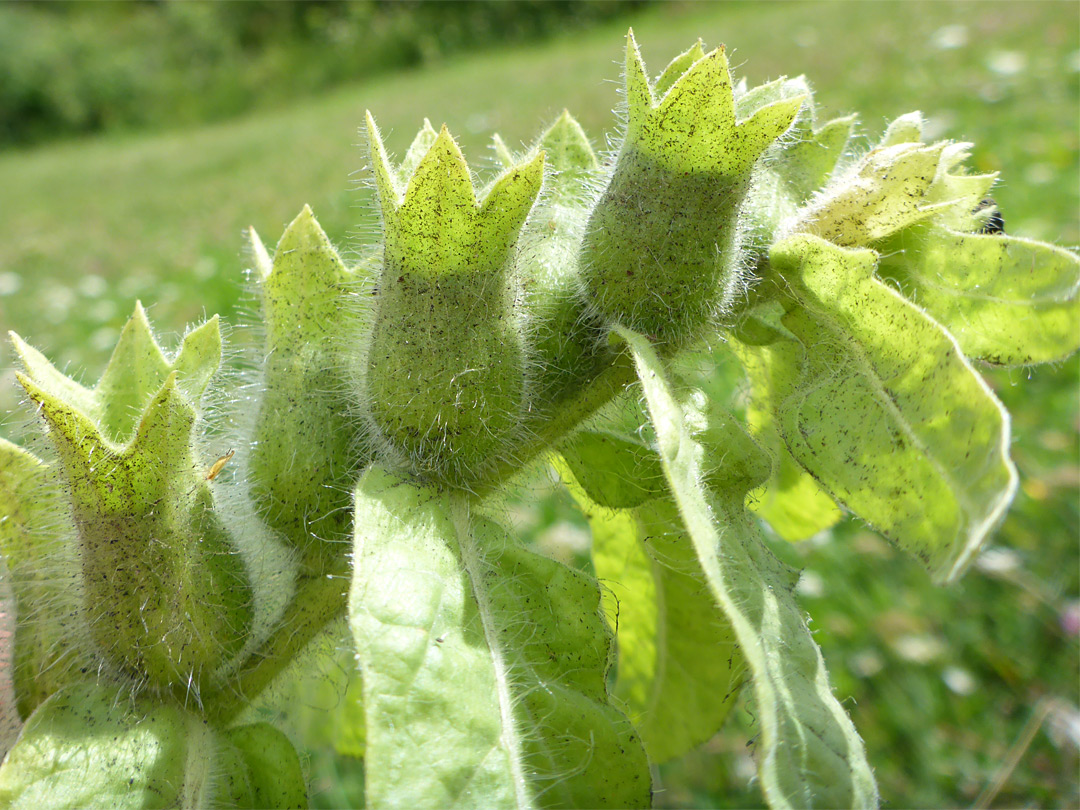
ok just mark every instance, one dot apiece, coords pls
pixel 90 746
pixel 484 664
pixel 271 772
pixel 616 471
pixel 791 500
pixel 809 753
pixel 1007 300
pixel 679 668
pixel 887 414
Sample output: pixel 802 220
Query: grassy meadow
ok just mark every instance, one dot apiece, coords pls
pixel 944 685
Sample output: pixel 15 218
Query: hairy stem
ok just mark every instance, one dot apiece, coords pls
pixel 603 388
pixel 319 599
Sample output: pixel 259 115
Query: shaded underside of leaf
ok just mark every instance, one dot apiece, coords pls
pixel 97 745
pixel 679 668
pixel 616 471
pixel 809 754
pixel 91 746
pixel 274 776
pixel 792 502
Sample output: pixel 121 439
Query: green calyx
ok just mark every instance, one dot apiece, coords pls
pixel 885 193
pixel 136 371
pixel 565 336
pixel 307 442
pixel 569 157
pixel 165 597
pixel 445 371
pixel 899 183
pixel 794 167
pixel 659 253
pixel 688 121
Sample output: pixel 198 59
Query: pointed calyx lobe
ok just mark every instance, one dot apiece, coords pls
pixel 659 252
pixel 165 597
pixel 445 368
pixel 795 166
pixel 136 371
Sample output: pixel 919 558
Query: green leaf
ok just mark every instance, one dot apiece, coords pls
pixel 91 746
pixel 503 155
pixel 679 668
pixel 616 471
pixel 318 701
pixel 438 226
pixel 809 161
pixel 887 414
pixel 273 776
pixel 45 657
pixel 484 664
pixel 571 159
pixel 960 198
pixel 259 256
pixel 809 754
pixel 791 501
pixel 1007 300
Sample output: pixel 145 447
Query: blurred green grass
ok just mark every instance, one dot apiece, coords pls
pixel 941 682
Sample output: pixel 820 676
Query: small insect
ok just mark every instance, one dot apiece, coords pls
pixel 219 465
pixel 994 222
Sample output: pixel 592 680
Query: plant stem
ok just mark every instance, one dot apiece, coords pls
pixel 320 598
pixel 603 388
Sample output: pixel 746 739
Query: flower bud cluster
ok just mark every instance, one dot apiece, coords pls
pixel 491 310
